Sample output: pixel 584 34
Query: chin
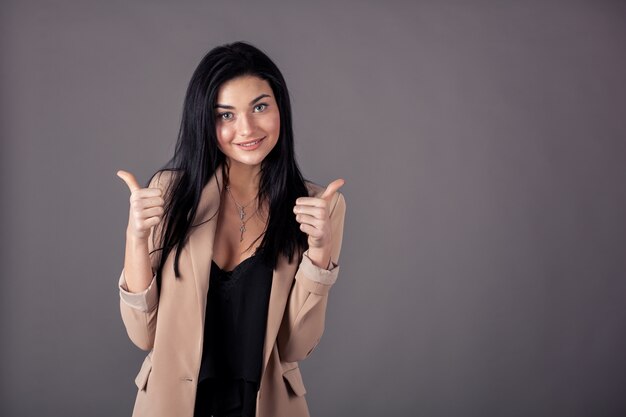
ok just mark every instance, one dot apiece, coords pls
pixel 251 161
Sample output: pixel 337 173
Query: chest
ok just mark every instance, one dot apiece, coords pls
pixel 237 239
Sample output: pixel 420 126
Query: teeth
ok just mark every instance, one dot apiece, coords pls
pixel 251 144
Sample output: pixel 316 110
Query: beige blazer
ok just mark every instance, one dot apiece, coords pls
pixel 170 326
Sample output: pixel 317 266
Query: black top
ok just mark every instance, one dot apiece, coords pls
pixel 234 333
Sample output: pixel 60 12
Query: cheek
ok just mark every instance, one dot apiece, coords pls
pixel 273 124
pixel 224 134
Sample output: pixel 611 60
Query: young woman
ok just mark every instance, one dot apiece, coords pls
pixel 230 253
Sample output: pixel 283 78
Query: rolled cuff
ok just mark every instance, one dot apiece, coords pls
pixel 321 277
pixel 144 301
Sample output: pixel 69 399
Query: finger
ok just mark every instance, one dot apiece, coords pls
pixel 152 221
pixel 129 179
pixel 147 192
pixel 310 201
pixel 314 211
pixel 310 220
pixel 151 212
pixel 332 189
pixel 311 231
pixel 143 203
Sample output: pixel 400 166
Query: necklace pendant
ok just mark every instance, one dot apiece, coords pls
pixel 242 213
pixel 242 228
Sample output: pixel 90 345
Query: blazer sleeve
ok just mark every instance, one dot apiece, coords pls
pixel 303 322
pixel 139 310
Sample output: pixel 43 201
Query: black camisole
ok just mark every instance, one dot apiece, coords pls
pixel 234 333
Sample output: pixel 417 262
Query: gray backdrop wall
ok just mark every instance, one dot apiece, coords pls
pixel 483 148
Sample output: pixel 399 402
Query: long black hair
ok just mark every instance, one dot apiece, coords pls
pixel 197 157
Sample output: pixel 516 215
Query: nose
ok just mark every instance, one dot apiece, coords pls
pixel 245 126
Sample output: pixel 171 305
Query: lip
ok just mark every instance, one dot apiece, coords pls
pixel 249 148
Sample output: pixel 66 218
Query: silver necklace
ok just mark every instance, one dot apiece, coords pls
pixel 242 213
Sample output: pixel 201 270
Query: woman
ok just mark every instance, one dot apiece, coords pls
pixel 230 253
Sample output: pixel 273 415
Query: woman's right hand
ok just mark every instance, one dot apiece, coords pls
pixel 146 207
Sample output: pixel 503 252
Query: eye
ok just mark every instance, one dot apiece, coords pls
pixel 225 116
pixel 263 106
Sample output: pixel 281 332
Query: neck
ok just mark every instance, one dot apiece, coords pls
pixel 243 179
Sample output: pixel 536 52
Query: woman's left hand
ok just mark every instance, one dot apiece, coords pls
pixel 313 214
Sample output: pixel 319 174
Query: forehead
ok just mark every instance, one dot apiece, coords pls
pixel 240 90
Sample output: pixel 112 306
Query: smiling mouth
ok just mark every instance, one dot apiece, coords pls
pixel 251 143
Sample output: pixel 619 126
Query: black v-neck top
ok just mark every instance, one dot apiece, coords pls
pixel 234 333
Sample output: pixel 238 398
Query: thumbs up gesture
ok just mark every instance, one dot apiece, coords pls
pixel 313 214
pixel 146 207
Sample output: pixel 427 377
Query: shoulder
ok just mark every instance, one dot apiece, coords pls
pixel 163 178
pixel 316 190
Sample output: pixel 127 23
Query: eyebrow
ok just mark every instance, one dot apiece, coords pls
pixel 225 106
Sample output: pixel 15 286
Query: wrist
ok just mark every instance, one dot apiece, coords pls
pixel 136 241
pixel 319 257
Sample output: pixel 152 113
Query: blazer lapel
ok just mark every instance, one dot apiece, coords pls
pixel 284 274
pixel 201 251
pixel 202 235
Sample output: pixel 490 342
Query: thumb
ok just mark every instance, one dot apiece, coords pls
pixel 129 179
pixel 332 188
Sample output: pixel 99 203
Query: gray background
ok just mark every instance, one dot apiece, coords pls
pixel 483 148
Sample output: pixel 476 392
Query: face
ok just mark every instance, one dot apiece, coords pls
pixel 246 111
